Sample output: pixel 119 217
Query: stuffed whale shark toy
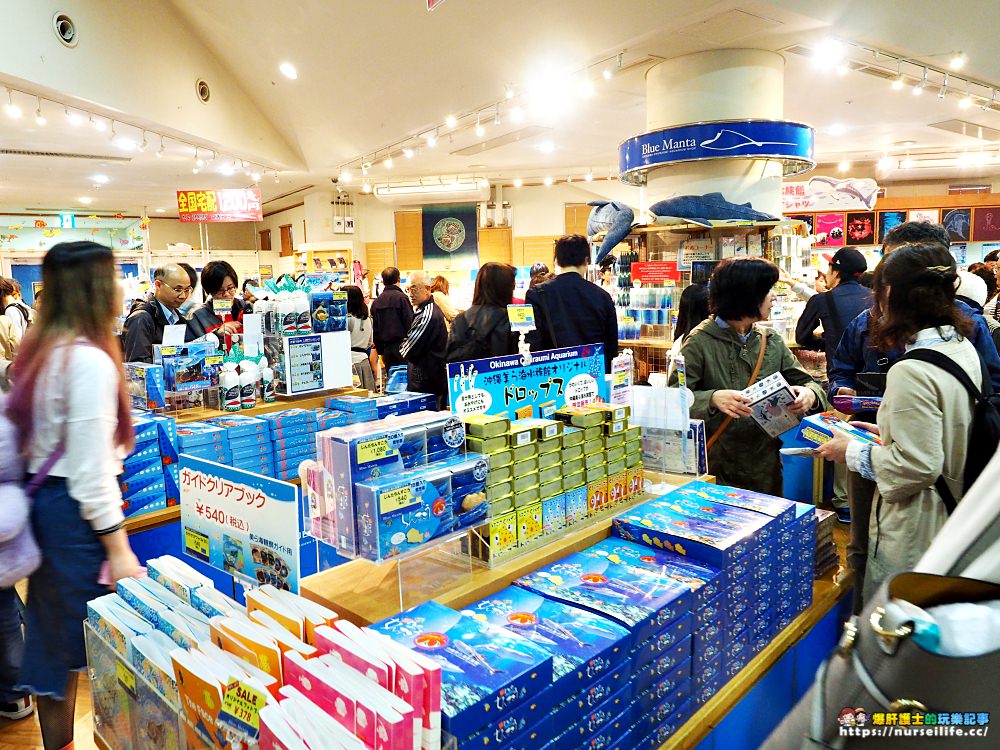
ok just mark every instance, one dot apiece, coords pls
pixel 711 209
pixel 613 217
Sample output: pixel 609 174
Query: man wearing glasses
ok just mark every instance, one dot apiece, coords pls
pixel 426 342
pixel 144 325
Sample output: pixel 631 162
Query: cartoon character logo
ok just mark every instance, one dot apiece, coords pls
pixel 594 578
pixel 431 641
pixel 860 716
pixel 846 717
pixel 522 619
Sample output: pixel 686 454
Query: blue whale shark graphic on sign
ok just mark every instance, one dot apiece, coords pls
pixel 731 140
pixel 613 217
pixel 706 210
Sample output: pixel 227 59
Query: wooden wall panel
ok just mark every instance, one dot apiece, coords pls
pixel 378 255
pixel 496 245
pixel 409 240
pixel 576 218
pixel 528 250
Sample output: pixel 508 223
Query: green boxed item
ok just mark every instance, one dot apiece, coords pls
pixel 497 491
pixel 501 458
pixel 527 496
pixel 610 412
pixel 612 441
pixel 595 473
pixel 526 466
pixel 633 433
pixel 547 490
pixel 571 436
pixel 550 445
pixel 573 451
pixel 633 460
pixel 521 481
pixel 615 453
pixel 550 459
pixel 616 428
pixel 485 425
pixel 522 452
pixel 486 445
pixel 593 446
pixel 579 416
pixel 591 433
pixel 573 465
pixel 499 475
pixel 548 428
pixel 501 505
pixel 615 467
pixel 593 459
pixel 574 480
pixel 547 475
pixel 522 434
pixel 631 446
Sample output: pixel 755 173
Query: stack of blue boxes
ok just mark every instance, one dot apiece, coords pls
pixel 646 626
pixel 368 409
pixel 249 440
pixel 204 440
pixel 150 475
pixel 293 436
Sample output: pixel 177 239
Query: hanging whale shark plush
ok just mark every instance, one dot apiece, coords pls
pixel 613 217
pixel 711 209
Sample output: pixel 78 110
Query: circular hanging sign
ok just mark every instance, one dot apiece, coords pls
pixel 449 234
pixel 790 143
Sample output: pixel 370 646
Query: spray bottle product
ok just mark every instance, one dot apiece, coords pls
pixel 229 388
pixel 302 311
pixel 266 381
pixel 287 315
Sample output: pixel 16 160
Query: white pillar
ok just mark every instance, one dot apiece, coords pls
pixel 730 84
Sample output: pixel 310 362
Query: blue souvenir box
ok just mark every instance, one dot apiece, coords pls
pixel 289 418
pixel 510 734
pixel 777 507
pixel 611 589
pixel 663 641
pixel 295 441
pixel 238 425
pixel 617 707
pixel 191 434
pixel 329 418
pixel 486 672
pixel 651 710
pixel 656 525
pixel 663 665
pixel 762 528
pixel 249 441
pixel 351 403
pixel 569 712
pixel 145 428
pixel 583 645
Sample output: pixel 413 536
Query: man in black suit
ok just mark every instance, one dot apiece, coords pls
pixel 392 315
pixel 144 325
pixel 569 310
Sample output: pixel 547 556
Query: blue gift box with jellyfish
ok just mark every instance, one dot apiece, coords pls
pixel 584 645
pixel 486 672
pixel 613 589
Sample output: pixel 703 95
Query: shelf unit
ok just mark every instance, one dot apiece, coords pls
pixel 308 253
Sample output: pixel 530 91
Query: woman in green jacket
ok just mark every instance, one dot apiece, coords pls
pixel 720 356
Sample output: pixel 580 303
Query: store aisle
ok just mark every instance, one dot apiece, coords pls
pixel 25 733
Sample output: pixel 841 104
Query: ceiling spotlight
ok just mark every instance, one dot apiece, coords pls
pixel 255 176
pixel 288 70
pixel 517 114
pixel 496 116
pixel 100 179
pixel 842 69
pixel 844 166
pixel 195 170
pixel 144 144
pixel 85 200
pixel 589 177
pixel 918 89
pixel 431 139
pixel 159 154
pixel 100 126
pixel 39 117
pixel 388 162
pixel 480 130
pixel 366 188
pixel 276 178
pixel 125 143
pixel 586 87
pixel 13 111
pixel 74 118
pixel 837 129
pixel 829 53
pixel 989 105
pixel 227 170
pixel 606 73
pixel 965 102
pixel 547 181
pixel 957 61
pixel 546 147
pixel 508 91
pixel 885 162
pixel 907 163
pixel 943 91
pixel 518 182
pixel 408 153
pixel 450 121
pixel 898 82
pixel 345 175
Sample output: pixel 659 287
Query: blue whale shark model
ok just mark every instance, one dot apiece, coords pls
pixel 711 209
pixel 613 217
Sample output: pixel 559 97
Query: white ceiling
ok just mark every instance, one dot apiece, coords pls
pixel 372 74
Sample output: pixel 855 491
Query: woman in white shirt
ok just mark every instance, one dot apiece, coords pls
pixel 359 323
pixel 71 409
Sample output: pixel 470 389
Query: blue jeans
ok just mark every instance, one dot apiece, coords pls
pixel 11 646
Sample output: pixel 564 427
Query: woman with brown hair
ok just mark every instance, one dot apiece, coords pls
pixel 71 410
pixel 484 329
pixel 926 414
pixel 440 288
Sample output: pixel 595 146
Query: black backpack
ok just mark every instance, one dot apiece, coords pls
pixel 985 436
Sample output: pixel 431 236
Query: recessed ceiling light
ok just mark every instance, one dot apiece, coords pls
pixel 161 210
pixel 288 70
pixel 518 182
pixel 837 129
pixel 450 121
pixel 547 180
pixel 85 200
pixel 546 147
pixel 100 178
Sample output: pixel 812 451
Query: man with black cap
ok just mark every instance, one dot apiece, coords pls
pixel 836 308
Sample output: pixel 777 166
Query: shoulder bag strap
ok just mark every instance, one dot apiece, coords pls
pixel 753 379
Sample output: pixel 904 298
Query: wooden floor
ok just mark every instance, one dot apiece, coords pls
pixel 25 733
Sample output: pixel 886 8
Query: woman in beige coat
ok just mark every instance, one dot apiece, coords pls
pixel 926 415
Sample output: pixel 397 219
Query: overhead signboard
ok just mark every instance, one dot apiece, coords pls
pixel 239 204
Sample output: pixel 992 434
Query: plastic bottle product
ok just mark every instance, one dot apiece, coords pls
pixel 266 382
pixel 288 316
pixel 248 385
pixel 229 390
pixel 303 312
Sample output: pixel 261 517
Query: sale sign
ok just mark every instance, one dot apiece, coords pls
pixel 241 204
